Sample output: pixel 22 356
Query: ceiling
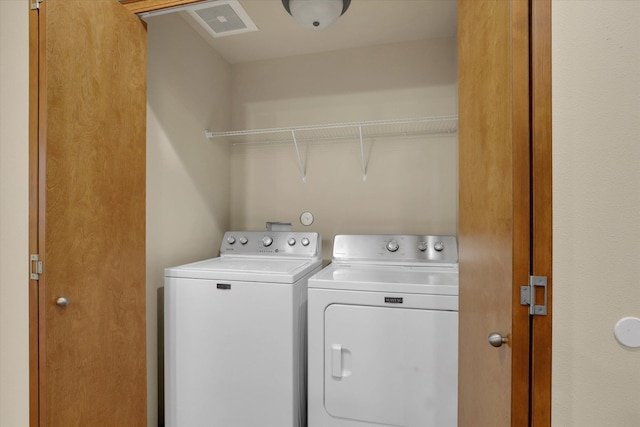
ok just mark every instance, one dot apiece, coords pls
pixel 366 23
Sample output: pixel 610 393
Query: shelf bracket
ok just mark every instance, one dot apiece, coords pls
pixel 364 164
pixel 300 163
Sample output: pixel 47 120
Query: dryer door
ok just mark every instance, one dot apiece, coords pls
pixel 391 366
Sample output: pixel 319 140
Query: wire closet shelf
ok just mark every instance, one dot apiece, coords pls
pixel 359 131
pixel 441 125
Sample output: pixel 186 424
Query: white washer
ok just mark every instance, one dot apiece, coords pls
pixel 235 329
pixel 383 333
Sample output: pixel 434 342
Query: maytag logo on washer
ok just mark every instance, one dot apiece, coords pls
pixel 393 300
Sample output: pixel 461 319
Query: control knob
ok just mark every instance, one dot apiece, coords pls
pixel 305 241
pixel 267 241
pixel 243 240
pixel 422 246
pixel 231 240
pixel 438 246
pixel 393 246
pixel 291 241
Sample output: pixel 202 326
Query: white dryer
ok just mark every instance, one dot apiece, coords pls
pixel 235 332
pixel 383 333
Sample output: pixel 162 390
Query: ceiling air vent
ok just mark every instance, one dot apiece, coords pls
pixel 222 18
pixel 217 17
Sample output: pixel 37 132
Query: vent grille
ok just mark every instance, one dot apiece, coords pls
pixel 222 18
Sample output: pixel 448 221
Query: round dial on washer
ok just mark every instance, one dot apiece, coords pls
pixel 267 241
pixel 291 241
pixel 422 246
pixel 231 240
pixel 393 246
pixel 305 241
pixel 244 240
pixel 438 246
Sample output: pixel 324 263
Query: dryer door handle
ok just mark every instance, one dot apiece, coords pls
pixel 340 361
pixel 336 360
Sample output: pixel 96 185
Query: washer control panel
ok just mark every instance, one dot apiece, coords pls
pixel 395 248
pixel 274 243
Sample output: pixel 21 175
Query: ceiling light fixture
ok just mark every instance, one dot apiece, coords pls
pixel 316 14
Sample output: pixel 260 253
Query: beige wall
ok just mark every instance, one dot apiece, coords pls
pixel 14 213
pixel 187 175
pixel 411 184
pixel 596 211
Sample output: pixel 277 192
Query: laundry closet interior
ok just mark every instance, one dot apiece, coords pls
pixel 386 65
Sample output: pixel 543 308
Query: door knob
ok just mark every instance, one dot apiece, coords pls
pixel 496 340
pixel 62 302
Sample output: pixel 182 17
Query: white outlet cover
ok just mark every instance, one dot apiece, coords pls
pixel 306 218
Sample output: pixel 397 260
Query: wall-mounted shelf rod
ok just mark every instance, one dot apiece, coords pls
pixel 343 131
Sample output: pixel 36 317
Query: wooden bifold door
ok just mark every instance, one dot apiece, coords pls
pixel 88 78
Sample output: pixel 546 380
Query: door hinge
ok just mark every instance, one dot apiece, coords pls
pixel 528 295
pixel 35 4
pixel 35 266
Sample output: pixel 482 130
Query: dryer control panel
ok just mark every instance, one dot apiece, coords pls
pixel 389 248
pixel 271 243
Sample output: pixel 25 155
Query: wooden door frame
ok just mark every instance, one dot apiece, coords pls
pixel 541 199
pixel 34 327
pixel 541 193
pixel 141 6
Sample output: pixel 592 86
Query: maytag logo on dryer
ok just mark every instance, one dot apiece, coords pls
pixel 393 300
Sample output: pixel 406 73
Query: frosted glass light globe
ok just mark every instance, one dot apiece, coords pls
pixel 316 14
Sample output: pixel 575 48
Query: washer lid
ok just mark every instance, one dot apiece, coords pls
pixel 404 279
pixel 246 269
